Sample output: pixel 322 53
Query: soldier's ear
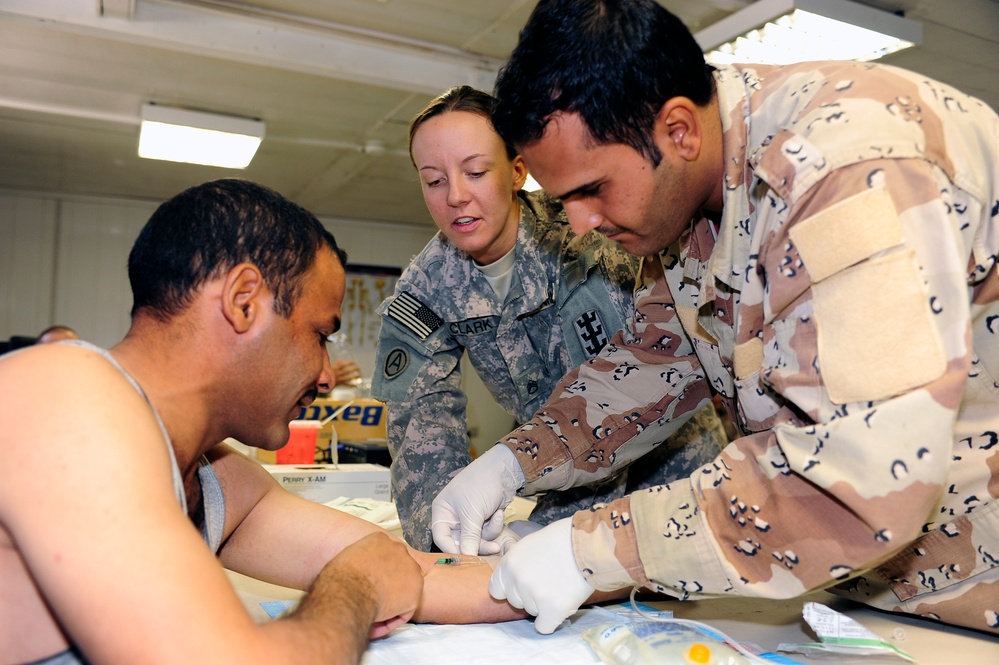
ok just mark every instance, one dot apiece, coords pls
pixel 678 128
pixel 243 295
pixel 519 173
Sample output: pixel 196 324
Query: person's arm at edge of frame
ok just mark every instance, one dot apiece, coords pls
pixel 634 408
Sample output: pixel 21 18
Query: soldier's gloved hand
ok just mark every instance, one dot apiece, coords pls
pixel 540 576
pixel 500 543
pixel 508 536
pixel 470 507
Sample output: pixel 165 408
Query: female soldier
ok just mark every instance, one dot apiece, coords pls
pixel 506 281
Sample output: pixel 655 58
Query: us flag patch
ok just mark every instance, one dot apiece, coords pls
pixel 414 315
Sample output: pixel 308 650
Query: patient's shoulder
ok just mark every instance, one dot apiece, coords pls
pixel 59 399
pixel 63 372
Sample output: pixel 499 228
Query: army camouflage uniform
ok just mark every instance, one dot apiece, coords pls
pixel 569 295
pixel 848 312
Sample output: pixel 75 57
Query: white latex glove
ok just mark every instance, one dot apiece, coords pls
pixel 523 528
pixel 500 544
pixel 507 538
pixel 540 576
pixel 470 507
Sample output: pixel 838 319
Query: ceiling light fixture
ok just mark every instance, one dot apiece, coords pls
pixel 195 137
pixel 786 31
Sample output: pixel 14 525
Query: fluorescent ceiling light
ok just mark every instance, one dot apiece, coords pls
pixel 785 31
pixel 179 135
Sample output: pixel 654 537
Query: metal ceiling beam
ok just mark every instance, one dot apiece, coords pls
pixel 372 59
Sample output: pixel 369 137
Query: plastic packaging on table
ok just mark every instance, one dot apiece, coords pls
pixel 659 642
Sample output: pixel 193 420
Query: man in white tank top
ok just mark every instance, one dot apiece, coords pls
pixel 235 291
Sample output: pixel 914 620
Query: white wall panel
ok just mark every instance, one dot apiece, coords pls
pixel 64 261
pixel 92 293
pixel 379 244
pixel 27 256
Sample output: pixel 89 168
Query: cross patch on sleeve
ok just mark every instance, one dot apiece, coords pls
pixel 591 332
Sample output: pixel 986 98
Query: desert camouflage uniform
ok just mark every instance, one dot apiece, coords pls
pixel 849 313
pixel 569 295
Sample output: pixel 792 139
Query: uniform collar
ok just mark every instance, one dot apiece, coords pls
pixel 727 262
pixel 528 269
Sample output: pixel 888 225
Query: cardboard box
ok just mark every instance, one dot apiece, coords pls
pixel 325 482
pixel 364 419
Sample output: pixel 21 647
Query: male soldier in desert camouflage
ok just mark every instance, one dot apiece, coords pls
pixel 821 244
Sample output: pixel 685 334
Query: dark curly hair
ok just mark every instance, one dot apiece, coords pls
pixel 614 62
pixel 206 230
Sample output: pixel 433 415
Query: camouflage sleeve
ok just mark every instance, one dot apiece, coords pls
pixel 420 381
pixel 620 270
pixel 616 407
pixel 866 353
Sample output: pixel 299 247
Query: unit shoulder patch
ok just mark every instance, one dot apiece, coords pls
pixel 396 363
pixel 591 332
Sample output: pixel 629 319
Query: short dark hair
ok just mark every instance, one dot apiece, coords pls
pixel 614 62
pixel 208 229
pixel 459 98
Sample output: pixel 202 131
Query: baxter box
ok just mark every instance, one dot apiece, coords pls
pixel 325 482
pixel 363 419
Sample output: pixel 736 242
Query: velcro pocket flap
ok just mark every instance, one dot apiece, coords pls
pixel 847 233
pixel 876 334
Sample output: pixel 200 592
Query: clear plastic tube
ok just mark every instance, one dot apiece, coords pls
pixel 459 560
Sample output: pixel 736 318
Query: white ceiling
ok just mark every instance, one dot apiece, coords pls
pixel 335 80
